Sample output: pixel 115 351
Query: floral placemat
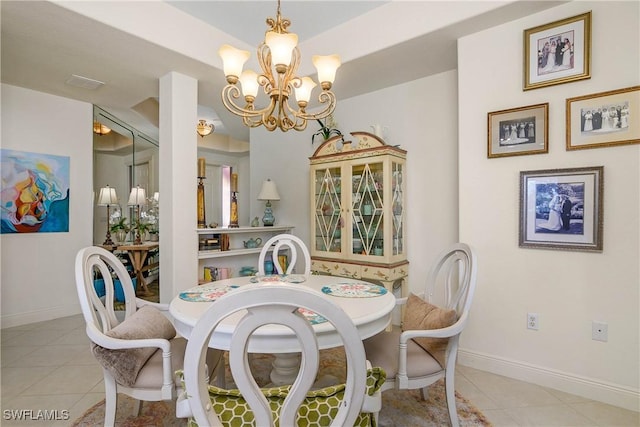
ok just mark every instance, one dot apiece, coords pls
pixel 354 290
pixel 313 317
pixel 206 293
pixel 270 278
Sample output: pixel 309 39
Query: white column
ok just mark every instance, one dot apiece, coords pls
pixel 178 184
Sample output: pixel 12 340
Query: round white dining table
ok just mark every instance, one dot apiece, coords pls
pixel 370 314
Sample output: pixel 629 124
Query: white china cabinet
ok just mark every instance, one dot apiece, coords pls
pixel 357 210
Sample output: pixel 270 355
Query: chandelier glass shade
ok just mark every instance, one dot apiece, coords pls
pixel 203 128
pixel 279 59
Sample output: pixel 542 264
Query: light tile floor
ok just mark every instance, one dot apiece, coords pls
pixel 48 365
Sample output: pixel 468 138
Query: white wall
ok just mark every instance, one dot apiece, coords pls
pixel 38 268
pixel 422 119
pixel 567 289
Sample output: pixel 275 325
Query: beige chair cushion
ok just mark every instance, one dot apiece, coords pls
pixel 125 364
pixel 382 351
pixel 421 315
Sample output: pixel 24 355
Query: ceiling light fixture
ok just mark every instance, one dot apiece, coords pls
pixel 279 58
pixel 204 129
pixel 100 129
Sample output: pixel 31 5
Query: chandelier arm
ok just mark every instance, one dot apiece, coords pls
pixel 270 121
pixel 293 65
pixel 324 97
pixel 300 123
pixel 231 92
pixel 264 59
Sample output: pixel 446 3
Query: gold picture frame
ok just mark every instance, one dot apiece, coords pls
pixel 562 209
pixel 518 131
pixel 604 119
pixel 558 52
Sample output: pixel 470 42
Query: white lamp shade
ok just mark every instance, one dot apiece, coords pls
pixel 232 60
pixel 303 93
pixel 107 196
pixel 249 82
pixel 269 191
pixel 138 197
pixel 326 66
pixel 281 46
pixel 156 197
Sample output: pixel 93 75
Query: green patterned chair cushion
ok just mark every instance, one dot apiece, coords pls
pixel 318 409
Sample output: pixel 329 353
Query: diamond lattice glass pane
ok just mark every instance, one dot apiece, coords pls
pixel 367 208
pixel 398 208
pixel 327 209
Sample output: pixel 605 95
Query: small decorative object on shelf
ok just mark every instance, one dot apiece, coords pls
pixel 224 242
pixel 252 243
pixel 255 222
pixel 234 201
pixel 268 192
pixel 202 222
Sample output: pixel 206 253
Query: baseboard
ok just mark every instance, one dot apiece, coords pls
pixel 612 394
pixel 19 319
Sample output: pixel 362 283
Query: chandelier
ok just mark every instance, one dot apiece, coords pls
pixel 279 58
pixel 100 129
pixel 203 128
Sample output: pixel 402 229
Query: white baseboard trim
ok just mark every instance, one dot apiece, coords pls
pixel 612 394
pixel 19 319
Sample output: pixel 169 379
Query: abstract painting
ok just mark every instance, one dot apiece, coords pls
pixel 35 192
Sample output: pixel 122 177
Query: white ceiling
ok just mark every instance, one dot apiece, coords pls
pixel 232 17
pixel 382 43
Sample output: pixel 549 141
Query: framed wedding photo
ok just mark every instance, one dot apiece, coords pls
pixel 604 119
pixel 518 131
pixel 558 52
pixel 562 209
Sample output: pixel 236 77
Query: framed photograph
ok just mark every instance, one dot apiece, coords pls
pixel 518 131
pixel 558 52
pixel 562 209
pixel 604 119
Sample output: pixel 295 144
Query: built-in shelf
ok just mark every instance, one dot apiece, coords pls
pixel 245 230
pixel 267 232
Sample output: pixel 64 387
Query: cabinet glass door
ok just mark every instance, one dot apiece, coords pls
pixel 367 207
pixel 328 209
pixel 398 208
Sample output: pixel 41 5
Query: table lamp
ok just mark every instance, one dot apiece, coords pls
pixel 137 198
pixel 106 198
pixel 268 192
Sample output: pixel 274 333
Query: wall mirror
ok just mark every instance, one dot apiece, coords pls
pixel 123 158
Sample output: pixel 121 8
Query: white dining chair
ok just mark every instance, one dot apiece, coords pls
pixel 279 304
pixel 426 348
pixel 289 243
pixel 135 343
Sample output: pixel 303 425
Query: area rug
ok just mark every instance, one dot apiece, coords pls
pixel 399 408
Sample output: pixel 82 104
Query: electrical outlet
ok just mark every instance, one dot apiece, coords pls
pixel 532 321
pixel 599 331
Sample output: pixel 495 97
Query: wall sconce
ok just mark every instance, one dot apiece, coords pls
pixel 137 198
pixel 204 129
pixel 106 198
pixel 268 192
